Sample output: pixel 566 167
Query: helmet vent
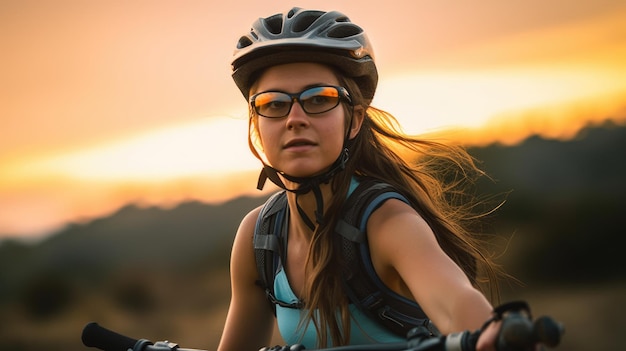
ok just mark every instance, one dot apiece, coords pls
pixel 274 24
pixel 243 42
pixel 305 20
pixel 342 19
pixel 344 31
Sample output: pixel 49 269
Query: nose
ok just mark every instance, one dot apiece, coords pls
pixel 297 118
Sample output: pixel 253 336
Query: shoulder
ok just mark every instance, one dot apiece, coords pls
pixel 245 233
pixel 396 227
pixel 392 212
pixel 249 220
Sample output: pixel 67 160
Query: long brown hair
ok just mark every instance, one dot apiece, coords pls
pixel 434 177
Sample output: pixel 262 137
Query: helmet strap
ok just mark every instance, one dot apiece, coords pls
pixel 306 184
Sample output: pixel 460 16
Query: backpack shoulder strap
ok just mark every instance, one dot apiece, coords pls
pixel 363 286
pixel 267 233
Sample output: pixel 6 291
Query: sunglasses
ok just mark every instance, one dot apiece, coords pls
pixel 316 100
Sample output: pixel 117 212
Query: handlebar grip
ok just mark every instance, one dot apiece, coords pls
pixel 548 331
pixel 518 333
pixel 104 339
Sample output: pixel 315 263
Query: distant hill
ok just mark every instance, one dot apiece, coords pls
pixel 565 206
pixel 151 238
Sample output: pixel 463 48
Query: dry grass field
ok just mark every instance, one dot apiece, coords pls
pixel 192 315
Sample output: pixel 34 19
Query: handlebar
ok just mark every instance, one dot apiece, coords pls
pixel 518 333
pixel 102 338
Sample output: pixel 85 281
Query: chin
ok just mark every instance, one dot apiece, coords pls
pixel 307 173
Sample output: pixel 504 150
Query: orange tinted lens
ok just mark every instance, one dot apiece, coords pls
pixel 272 104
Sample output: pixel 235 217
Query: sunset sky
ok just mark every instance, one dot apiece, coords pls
pixel 110 102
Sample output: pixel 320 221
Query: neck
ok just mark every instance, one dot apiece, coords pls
pixel 308 204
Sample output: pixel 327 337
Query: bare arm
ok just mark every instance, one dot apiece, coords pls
pixel 250 320
pixel 404 249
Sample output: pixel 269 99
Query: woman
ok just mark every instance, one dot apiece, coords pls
pixel 310 77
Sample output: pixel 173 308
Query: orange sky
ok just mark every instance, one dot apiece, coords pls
pixel 108 102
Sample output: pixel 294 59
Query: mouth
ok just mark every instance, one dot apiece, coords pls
pixel 299 143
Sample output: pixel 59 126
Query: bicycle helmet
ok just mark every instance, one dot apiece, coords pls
pixel 305 36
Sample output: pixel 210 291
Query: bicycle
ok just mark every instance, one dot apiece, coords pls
pixel 518 333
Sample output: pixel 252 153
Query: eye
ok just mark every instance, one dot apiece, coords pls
pixel 320 96
pixel 275 104
pixel 318 100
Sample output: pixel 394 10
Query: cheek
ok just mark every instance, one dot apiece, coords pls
pixel 261 130
pixel 334 132
pixel 254 135
pixel 264 142
pixel 266 132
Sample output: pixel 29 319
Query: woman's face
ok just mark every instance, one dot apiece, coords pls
pixel 300 144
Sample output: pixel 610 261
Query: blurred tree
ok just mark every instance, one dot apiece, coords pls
pixel 47 295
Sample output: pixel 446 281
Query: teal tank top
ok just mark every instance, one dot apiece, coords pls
pixel 363 330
